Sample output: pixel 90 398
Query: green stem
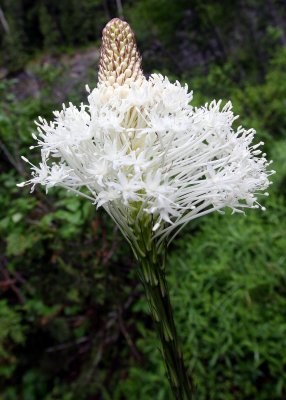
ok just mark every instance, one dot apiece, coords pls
pixel 152 274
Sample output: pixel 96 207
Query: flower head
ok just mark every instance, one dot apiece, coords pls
pixel 139 148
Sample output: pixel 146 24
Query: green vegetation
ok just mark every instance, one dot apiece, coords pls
pixel 74 322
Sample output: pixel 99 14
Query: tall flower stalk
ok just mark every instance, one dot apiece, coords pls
pixel 140 150
pixel 152 274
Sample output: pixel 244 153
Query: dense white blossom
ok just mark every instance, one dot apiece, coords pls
pixel 141 149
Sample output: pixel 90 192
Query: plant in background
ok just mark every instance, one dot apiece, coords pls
pixel 154 162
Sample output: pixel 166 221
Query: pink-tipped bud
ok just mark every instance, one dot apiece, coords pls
pixel 120 61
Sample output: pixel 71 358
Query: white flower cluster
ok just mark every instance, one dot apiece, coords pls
pixel 142 149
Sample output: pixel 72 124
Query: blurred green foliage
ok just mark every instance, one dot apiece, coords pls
pixel 73 319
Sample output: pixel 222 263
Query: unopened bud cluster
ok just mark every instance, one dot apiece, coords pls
pixel 120 61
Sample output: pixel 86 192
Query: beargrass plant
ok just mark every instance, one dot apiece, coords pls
pixel 140 150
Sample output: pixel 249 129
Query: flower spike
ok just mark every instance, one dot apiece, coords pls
pixel 139 149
